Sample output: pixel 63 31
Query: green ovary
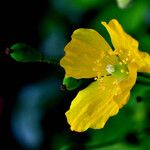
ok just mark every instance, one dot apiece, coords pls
pixel 120 71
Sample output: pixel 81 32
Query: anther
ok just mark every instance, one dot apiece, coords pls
pixel 114 82
pixel 129 54
pixel 94 69
pixel 120 63
pixel 122 71
pixel 127 59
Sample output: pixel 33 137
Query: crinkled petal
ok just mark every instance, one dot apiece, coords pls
pixel 92 107
pixel 146 62
pixel 131 79
pixel 122 98
pixel 125 46
pixel 83 54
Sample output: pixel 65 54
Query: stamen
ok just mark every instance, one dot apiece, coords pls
pixel 116 94
pixel 124 62
pixel 129 54
pixel 120 63
pixel 122 71
pixel 127 59
pixel 97 61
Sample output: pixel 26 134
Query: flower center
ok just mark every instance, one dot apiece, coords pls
pixel 110 68
pixel 120 70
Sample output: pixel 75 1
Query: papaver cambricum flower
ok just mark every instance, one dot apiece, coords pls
pixel 88 55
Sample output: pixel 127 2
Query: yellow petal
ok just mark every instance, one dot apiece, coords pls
pixel 92 107
pixel 126 85
pixel 131 79
pixel 120 39
pixel 122 98
pixel 83 54
pixel 146 62
pixel 125 46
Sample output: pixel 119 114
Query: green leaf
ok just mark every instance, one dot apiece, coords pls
pixel 25 53
pixel 71 83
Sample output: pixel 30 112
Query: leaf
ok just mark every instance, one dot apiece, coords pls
pixel 71 83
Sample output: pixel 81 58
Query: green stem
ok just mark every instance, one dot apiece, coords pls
pixel 50 60
pixel 106 144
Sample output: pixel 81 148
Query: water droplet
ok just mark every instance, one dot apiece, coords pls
pixel 110 68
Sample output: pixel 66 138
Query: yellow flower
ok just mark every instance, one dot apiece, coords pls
pixel 88 55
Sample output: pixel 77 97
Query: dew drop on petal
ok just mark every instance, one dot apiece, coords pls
pixel 110 68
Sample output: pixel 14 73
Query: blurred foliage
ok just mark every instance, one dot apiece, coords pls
pixel 123 3
pixel 128 130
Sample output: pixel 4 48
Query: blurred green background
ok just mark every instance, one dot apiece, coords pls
pixel 32 103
